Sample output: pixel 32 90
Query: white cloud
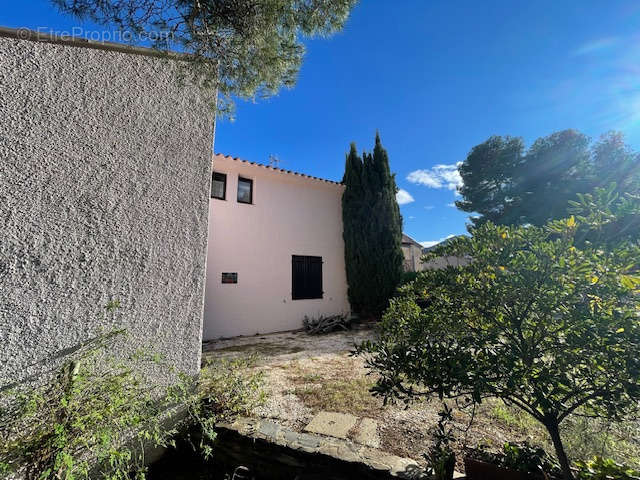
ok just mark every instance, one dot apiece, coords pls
pixel 597 46
pixel 403 197
pixel 431 243
pixel 452 205
pixel 440 176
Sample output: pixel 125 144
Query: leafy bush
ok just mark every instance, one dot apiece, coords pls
pixel 225 388
pixel 605 468
pixel 583 437
pixel 408 277
pixel 521 457
pixel 94 415
pixel 97 415
pixel 541 319
pixel 527 458
pixel 588 437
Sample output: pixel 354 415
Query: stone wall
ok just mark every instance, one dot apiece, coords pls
pixel 104 195
pixel 272 452
pixel 446 261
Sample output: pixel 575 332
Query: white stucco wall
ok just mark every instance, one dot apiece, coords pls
pixel 290 215
pixel 104 182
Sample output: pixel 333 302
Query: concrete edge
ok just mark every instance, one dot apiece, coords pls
pixel 80 42
pixel 342 450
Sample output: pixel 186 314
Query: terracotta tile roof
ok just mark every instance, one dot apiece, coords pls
pixel 275 169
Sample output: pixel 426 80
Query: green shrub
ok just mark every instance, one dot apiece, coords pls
pixel 584 437
pixel 605 468
pixel 96 416
pixel 527 458
pixel 540 319
pixel 522 457
pixel 226 388
pixel 588 437
pixel 441 459
pixel 407 278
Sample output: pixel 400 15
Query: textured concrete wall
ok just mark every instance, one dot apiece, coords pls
pixel 104 193
pixel 290 215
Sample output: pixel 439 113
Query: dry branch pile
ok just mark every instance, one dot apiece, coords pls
pixel 322 324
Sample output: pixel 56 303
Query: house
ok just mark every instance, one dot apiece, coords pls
pixel 412 251
pixel 276 251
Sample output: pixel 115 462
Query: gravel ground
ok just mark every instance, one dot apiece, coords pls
pixel 305 374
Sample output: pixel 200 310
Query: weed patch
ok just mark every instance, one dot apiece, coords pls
pixel 346 396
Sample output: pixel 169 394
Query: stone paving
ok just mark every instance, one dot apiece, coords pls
pixel 332 424
pixel 338 448
pixel 339 425
pixel 326 434
pixel 367 433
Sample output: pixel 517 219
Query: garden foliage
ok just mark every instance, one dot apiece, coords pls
pixel 544 318
pixel 96 417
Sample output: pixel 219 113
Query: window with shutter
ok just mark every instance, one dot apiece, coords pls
pixel 306 277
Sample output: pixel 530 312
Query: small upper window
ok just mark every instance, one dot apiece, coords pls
pixel 245 190
pixel 218 185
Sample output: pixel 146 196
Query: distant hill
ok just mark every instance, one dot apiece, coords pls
pixel 444 242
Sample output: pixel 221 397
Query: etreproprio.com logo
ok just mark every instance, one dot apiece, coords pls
pixel 117 36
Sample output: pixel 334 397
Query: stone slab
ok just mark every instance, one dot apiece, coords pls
pixel 269 429
pixel 332 424
pixel 367 433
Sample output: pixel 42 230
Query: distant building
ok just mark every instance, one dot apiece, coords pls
pixel 412 251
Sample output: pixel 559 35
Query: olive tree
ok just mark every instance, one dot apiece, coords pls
pixel 537 319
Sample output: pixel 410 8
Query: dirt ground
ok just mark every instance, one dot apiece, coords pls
pixel 306 374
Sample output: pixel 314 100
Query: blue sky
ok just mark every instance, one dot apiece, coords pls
pixel 435 78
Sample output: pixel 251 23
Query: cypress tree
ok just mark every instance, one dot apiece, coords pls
pixel 372 230
pixel 352 209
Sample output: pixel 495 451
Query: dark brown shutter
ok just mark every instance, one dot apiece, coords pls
pixel 306 277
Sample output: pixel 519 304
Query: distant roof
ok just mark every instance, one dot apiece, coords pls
pixel 276 169
pixel 442 243
pixel 406 239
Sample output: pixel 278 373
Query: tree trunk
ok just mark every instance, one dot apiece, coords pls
pixel 554 432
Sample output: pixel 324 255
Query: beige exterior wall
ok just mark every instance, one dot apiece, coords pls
pixel 412 254
pixel 291 215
